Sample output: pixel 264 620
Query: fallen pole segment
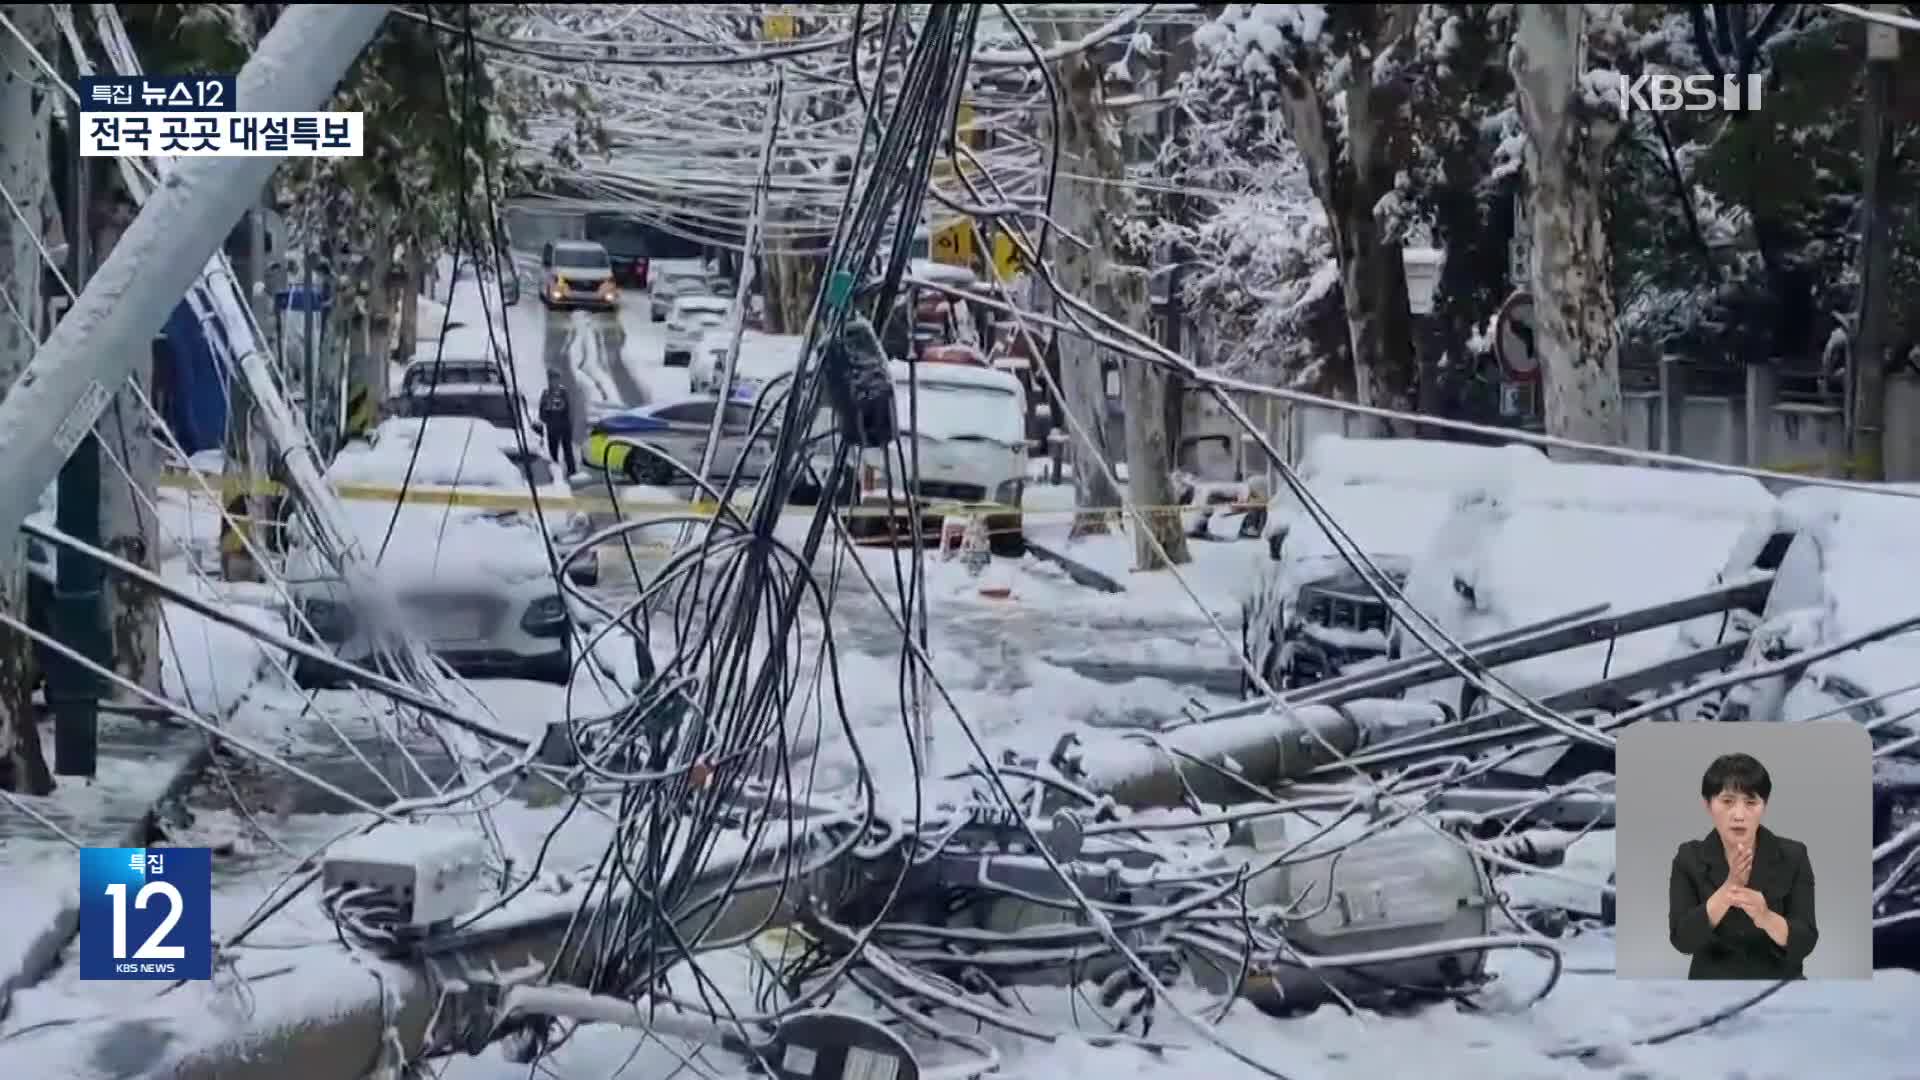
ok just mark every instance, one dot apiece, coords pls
pixel 94 349
pixel 324 1013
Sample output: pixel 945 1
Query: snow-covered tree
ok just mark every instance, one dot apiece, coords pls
pixel 1569 117
pixel 1334 76
pixel 25 112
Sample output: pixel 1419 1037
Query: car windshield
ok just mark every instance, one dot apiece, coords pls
pixel 580 258
pixel 956 410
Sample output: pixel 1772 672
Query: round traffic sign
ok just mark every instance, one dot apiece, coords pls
pixel 1514 340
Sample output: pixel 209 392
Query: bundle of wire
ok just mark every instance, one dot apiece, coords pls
pixel 713 716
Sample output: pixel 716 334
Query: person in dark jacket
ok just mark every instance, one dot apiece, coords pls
pixel 1741 897
pixel 556 412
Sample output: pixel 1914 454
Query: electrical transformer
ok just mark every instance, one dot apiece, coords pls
pixel 1406 885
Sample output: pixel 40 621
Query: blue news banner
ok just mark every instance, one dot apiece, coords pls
pixel 146 913
pixel 159 93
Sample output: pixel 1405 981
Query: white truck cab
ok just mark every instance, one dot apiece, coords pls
pixel 967 425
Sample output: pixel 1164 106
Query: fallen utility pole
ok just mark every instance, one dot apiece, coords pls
pixel 79 602
pixel 371 1011
pixel 96 347
pixel 1586 626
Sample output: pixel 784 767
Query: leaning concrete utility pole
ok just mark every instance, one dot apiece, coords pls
pixel 95 347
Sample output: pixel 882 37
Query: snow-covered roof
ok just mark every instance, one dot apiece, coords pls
pixel 1568 536
pixel 954 375
pixel 1337 459
pixel 453 452
pixel 715 305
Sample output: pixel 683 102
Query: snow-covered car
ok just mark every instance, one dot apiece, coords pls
pixel 671 281
pixel 1309 614
pixel 763 358
pixel 473 580
pixel 492 402
pixel 970 427
pixel 449 369
pixel 1570 536
pixel 688 320
pixel 679 430
pixel 578 274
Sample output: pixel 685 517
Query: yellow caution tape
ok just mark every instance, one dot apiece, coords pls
pixel 230 488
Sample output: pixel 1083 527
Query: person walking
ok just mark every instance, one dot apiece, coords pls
pixel 556 412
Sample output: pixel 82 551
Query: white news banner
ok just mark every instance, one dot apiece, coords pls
pixel 229 134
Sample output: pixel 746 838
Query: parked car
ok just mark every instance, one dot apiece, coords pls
pixel 578 274
pixel 492 402
pixel 972 446
pixel 530 460
pixel 1568 536
pixel 1310 615
pixel 763 358
pixel 679 430
pixel 672 281
pixel 474 581
pixel 688 320
pixel 422 374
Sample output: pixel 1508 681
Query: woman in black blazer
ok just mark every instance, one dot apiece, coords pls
pixel 1741 897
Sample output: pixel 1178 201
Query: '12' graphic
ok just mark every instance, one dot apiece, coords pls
pixel 146 913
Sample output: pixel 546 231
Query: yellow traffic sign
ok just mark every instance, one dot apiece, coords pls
pixel 780 26
pixel 1007 262
pixel 953 244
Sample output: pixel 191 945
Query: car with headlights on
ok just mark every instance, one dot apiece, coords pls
pixel 689 319
pixel 679 430
pixel 459 564
pixel 577 274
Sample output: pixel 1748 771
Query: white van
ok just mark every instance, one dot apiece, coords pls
pixel 971 441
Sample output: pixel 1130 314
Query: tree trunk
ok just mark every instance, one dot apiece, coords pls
pixel 1088 212
pixel 414 260
pixel 1350 167
pixel 1143 395
pixel 1570 266
pixel 128 526
pixel 24 117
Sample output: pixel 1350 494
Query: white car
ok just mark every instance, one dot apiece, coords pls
pixel 671 281
pixel 577 274
pixel 473 580
pixel 763 358
pixel 690 319
pixel 972 445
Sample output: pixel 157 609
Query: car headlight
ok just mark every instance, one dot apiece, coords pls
pixel 608 289
pixel 545 617
pixel 331 622
pixel 1009 493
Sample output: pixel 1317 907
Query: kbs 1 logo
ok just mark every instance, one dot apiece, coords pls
pixel 199 116
pixel 1661 91
pixel 146 913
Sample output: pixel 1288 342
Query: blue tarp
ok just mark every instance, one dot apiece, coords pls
pixel 195 394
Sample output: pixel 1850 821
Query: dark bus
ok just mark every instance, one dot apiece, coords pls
pixel 633 244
